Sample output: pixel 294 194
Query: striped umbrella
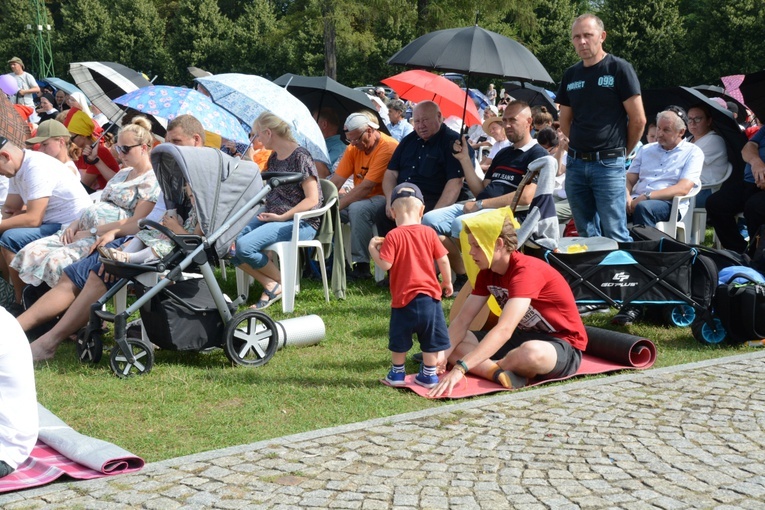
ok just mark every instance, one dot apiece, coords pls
pixel 103 82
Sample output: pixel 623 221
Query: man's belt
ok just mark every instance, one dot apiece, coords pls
pixel 597 156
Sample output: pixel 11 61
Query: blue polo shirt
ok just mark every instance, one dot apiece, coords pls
pixel 429 164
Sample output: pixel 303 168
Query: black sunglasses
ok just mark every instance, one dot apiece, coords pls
pixel 124 149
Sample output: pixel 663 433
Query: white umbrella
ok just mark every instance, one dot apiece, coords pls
pixel 247 96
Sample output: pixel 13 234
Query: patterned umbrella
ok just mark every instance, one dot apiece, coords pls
pixel 247 96
pixel 102 82
pixel 169 102
pixel 12 126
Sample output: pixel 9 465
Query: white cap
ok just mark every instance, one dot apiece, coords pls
pixel 357 121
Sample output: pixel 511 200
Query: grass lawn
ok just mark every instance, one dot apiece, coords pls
pixel 193 402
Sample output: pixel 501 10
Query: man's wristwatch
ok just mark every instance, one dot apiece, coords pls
pixel 479 205
pixel 94 231
pixel 647 195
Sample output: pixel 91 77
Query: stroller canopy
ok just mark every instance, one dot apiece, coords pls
pixel 221 186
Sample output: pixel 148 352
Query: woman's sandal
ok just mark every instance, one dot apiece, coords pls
pixel 113 254
pixel 273 297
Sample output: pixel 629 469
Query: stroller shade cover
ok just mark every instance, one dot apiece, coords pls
pixel 221 186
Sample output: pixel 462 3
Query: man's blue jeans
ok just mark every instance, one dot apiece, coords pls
pixel 651 212
pixel 597 193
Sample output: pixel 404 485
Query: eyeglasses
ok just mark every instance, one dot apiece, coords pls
pixel 124 149
pixel 695 120
pixel 357 140
pixel 253 136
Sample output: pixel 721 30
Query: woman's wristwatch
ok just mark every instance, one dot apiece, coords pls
pixel 94 231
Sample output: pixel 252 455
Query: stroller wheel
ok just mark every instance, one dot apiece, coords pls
pixel 680 316
pixel 143 359
pixel 251 338
pixel 90 349
pixel 707 335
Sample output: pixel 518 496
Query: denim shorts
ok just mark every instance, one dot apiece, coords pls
pixel 568 358
pixel 422 315
pixel 15 239
pixel 80 270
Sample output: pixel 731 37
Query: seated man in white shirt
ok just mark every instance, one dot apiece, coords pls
pixel 662 170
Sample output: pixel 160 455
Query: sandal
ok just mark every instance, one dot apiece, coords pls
pixel 113 254
pixel 273 297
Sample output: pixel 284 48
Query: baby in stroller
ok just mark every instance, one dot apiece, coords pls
pixel 150 245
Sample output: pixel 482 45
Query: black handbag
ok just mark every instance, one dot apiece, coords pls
pixel 741 308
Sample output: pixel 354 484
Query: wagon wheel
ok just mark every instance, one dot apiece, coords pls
pixel 90 349
pixel 680 316
pixel 251 338
pixel 709 335
pixel 144 359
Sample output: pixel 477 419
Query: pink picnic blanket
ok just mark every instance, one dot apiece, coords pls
pixel 60 450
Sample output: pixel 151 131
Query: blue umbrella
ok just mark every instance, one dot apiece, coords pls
pixel 247 96
pixel 479 97
pixel 170 102
pixel 60 84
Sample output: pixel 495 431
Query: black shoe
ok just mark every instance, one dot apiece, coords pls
pixel 459 281
pixel 585 310
pixel 384 283
pixel 627 316
pixel 15 309
pixel 360 271
pixel 417 357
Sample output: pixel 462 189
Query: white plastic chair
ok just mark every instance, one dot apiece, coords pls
pixel 288 253
pixel 680 229
pixel 698 230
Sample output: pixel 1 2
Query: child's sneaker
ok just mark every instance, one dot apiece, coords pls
pixel 428 381
pixel 395 378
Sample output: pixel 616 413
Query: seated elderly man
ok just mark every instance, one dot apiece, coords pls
pixel 366 160
pixel 662 170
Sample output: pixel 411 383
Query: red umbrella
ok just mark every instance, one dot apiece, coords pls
pixel 420 85
pixel 12 124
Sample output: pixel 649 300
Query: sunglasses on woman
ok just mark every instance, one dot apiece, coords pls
pixel 124 149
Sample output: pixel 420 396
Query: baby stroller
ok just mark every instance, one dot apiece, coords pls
pixel 667 275
pixel 178 312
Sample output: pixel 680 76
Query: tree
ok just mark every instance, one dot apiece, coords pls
pixel 139 43
pixel 200 36
pixel 15 39
pixel 549 37
pixel 81 36
pixel 724 38
pixel 650 35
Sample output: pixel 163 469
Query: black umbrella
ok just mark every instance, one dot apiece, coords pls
pixel 715 91
pixel 535 96
pixel 657 100
pixel 317 92
pixel 102 82
pixel 473 51
pixel 753 90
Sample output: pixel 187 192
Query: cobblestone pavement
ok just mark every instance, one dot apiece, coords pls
pixel 683 437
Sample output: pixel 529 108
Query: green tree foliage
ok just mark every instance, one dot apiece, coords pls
pixel 15 39
pixel 138 37
pixel 724 38
pixel 650 35
pixel 200 36
pixel 82 34
pixel 549 36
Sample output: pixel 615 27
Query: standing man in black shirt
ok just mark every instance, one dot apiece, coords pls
pixel 601 111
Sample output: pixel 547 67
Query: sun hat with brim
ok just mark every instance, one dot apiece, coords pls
pixel 488 122
pixel 16 60
pixel 49 129
pixel 357 121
